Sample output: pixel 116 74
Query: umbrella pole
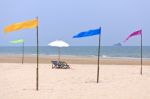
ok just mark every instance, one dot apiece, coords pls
pixel 58 53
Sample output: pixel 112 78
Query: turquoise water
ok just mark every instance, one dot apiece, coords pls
pixel 106 51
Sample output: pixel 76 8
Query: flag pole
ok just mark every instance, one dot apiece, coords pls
pixel 22 52
pixel 98 58
pixel 37 69
pixel 141 72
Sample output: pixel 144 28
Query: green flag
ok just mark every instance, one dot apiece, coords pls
pixel 17 41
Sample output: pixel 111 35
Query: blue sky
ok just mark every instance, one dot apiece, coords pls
pixel 61 19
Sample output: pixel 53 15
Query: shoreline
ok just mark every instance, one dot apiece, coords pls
pixel 70 59
pixel 76 56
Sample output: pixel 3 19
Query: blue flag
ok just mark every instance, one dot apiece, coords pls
pixel 88 33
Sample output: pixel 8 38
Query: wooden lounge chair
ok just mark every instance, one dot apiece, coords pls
pixel 63 65
pixel 54 64
pixel 60 64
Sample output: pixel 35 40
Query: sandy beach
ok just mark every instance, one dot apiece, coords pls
pixel 79 82
pixel 119 79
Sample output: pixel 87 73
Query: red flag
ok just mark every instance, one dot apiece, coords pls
pixel 136 33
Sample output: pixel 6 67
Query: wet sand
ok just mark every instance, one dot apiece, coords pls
pixel 72 60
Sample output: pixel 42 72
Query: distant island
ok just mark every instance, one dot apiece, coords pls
pixel 118 44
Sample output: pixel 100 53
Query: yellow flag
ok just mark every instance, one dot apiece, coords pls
pixel 22 25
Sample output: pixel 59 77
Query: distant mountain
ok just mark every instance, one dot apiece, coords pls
pixel 118 44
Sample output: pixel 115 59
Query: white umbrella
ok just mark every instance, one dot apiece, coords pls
pixel 59 43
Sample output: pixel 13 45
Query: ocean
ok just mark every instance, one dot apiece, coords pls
pixel 106 51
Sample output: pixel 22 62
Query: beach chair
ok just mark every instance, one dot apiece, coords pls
pixel 63 65
pixel 54 64
pixel 60 64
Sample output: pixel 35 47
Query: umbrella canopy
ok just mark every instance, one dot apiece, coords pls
pixel 59 44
